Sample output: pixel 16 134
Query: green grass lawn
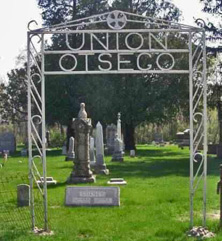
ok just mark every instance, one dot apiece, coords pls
pixel 154 203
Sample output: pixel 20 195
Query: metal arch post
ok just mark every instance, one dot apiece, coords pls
pixel 205 128
pixel 29 132
pixel 191 126
pixel 43 136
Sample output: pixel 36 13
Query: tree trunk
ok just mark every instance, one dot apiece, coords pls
pixel 69 133
pixel 74 10
pixel 219 113
pixel 129 137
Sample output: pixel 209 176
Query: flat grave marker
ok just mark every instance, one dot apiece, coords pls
pixel 92 196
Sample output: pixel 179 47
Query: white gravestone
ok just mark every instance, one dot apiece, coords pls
pixel 119 133
pixel 71 153
pixel 92 196
pixel 100 166
pixel 132 153
pixel 119 130
pixel 92 151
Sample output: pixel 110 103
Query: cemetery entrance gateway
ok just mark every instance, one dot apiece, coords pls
pixel 111 41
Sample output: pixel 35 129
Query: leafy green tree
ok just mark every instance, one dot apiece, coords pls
pixel 139 98
pixel 13 96
pixel 215 92
pixel 213 27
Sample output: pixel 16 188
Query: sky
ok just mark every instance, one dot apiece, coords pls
pixel 15 15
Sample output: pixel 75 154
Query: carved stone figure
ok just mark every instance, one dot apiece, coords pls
pixel 81 172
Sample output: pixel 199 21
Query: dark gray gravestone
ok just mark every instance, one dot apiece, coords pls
pixel 23 195
pixel 92 196
pixel 7 142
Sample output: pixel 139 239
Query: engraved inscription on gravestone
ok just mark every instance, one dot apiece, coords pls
pixel 92 196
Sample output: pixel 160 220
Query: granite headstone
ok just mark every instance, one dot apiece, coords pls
pixel 7 142
pixel 92 196
pixel 23 195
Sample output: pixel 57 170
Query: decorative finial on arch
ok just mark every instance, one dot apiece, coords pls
pixel 116 20
pixel 30 22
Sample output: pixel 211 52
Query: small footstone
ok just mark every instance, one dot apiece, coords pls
pixel 49 181
pixel 117 181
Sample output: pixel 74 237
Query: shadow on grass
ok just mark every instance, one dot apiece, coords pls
pixel 160 167
pixel 162 152
pixel 155 168
pixel 155 163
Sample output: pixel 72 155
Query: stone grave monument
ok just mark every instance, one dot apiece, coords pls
pixel 158 137
pixel 71 153
pixel 119 130
pixel 100 166
pixel 64 151
pixel 23 195
pixel 7 142
pixel 92 152
pixel 81 172
pixel 110 138
pixel 92 196
pixel 118 151
pixel 132 153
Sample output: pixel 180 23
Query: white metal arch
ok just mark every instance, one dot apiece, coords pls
pixel 152 35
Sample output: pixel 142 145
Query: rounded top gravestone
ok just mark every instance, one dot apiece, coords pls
pixel 7 142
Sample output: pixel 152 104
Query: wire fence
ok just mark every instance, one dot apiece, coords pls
pixel 13 217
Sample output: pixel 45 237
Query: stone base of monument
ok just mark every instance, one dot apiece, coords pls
pixel 69 158
pixel 92 164
pixel 109 150
pixel 117 157
pixel 75 180
pixel 101 169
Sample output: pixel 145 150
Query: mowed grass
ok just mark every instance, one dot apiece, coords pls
pixel 154 203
